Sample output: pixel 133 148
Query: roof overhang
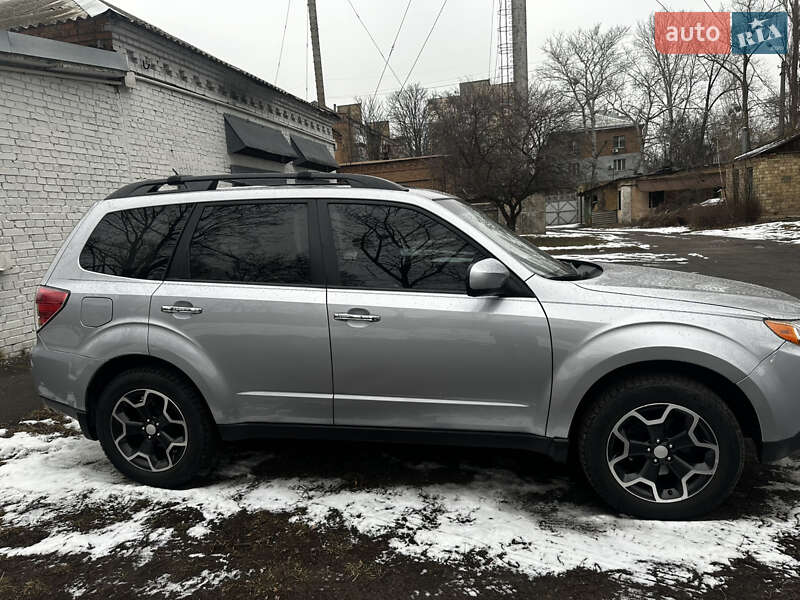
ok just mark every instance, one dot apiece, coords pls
pixel 19 50
pixel 313 155
pixel 254 139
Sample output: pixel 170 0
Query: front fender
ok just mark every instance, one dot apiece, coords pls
pixel 580 362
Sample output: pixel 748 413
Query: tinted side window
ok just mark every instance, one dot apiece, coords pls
pixel 135 243
pixel 380 246
pixel 251 243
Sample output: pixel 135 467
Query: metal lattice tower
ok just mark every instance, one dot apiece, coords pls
pixel 504 67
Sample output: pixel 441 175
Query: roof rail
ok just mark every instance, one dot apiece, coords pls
pixel 187 183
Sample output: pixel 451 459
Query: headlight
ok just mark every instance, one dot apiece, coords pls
pixel 786 330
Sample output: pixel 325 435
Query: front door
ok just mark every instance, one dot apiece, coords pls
pixel 410 348
pixel 244 305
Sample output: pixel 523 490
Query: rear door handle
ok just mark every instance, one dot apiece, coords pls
pixel 186 310
pixel 356 317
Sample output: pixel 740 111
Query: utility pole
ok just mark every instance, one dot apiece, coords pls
pixel 312 19
pixel 519 40
pixel 782 102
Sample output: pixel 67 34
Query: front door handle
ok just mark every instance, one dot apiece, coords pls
pixel 186 310
pixel 356 317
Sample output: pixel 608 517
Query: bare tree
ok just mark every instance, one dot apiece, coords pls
pixel 744 69
pixel 501 152
pixel 410 114
pixel 373 116
pixel 589 65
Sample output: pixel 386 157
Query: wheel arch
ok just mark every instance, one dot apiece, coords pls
pixel 120 364
pixel 730 393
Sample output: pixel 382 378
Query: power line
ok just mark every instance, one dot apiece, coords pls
pixel 391 50
pixel 436 20
pixel 283 39
pixel 374 43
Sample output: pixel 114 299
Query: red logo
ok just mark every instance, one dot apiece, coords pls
pixel 693 32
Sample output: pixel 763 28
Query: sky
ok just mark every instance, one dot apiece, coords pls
pixel 248 34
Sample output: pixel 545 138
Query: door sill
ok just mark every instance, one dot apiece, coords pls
pixel 555 448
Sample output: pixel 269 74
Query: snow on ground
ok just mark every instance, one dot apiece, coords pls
pixel 530 525
pixel 780 231
pixel 643 258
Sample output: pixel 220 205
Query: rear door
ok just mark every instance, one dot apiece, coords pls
pixel 245 304
pixel 410 347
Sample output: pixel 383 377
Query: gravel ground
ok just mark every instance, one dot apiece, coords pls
pixel 315 520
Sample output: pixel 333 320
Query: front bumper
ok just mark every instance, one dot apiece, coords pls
pixel 773 389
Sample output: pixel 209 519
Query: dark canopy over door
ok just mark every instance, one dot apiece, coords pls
pixel 313 154
pixel 247 137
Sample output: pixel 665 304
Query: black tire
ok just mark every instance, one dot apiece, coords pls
pixel 616 401
pixel 196 459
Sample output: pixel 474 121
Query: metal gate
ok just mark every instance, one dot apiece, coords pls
pixel 563 209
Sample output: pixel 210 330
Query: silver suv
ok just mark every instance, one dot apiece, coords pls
pixel 185 311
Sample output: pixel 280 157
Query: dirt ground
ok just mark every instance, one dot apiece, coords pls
pixel 280 554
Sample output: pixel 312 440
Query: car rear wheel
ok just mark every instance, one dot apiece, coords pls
pixel 661 447
pixel 155 428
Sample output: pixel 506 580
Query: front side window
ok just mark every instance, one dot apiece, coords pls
pixel 251 243
pixel 390 247
pixel 135 243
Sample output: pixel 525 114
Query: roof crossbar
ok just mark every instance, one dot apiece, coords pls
pixel 194 183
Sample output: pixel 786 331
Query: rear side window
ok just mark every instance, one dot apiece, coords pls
pixel 135 243
pixel 252 243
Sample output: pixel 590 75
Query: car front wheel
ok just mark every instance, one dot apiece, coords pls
pixel 661 447
pixel 155 428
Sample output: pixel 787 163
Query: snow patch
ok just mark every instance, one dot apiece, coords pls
pixel 515 521
pixel 779 231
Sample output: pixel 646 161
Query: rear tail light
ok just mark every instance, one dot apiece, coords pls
pixel 48 302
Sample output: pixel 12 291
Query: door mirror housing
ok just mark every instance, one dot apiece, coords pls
pixel 487 277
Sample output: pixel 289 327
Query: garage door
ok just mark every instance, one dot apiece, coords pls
pixel 563 209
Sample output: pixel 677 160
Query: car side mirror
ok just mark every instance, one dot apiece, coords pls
pixel 487 277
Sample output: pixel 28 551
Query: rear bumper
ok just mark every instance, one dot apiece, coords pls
pixel 71 411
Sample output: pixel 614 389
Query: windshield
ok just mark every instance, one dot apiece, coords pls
pixel 524 251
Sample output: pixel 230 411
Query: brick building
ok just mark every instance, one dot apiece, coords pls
pixel 770 174
pixel 618 146
pixel 357 140
pixel 126 101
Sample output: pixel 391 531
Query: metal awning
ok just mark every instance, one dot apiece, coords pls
pixel 247 137
pixel 313 154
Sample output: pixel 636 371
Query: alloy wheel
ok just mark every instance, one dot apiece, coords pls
pixel 149 430
pixel 662 452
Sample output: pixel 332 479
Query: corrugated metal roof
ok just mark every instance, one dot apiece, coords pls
pixel 20 14
pixel 23 13
pixel 768 147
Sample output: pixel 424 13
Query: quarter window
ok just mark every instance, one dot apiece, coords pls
pixel 251 243
pixel 135 243
pixel 388 247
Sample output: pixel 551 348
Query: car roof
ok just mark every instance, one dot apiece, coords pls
pixel 273 192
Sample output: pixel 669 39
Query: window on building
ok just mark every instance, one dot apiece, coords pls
pixel 574 148
pixel 135 243
pixel 619 142
pixel 619 199
pixel 389 247
pixel 575 169
pixel 619 164
pixel 655 199
pixel 251 243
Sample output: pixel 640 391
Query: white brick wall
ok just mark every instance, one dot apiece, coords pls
pixel 65 144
